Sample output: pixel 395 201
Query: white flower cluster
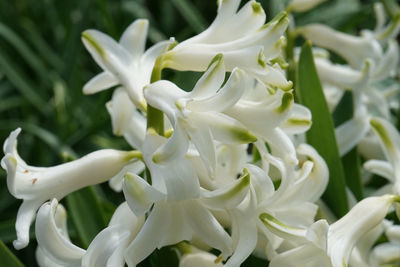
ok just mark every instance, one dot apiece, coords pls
pixel 203 189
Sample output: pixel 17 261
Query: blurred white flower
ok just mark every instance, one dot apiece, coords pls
pixel 390 142
pixel 303 5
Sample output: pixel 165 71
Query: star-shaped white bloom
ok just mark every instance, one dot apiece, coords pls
pixel 125 63
pixel 180 208
pixel 198 115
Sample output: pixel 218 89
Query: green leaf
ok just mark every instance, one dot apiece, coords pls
pixel 351 161
pixel 321 135
pixel 190 14
pixel 7 257
pixel 87 214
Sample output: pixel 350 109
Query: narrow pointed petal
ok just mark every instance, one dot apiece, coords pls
pixel 262 119
pixel 299 120
pixel 244 230
pixel 211 80
pixel 228 196
pixel 176 146
pixel 116 182
pixel 99 83
pixel 224 128
pixel 202 139
pixel 354 49
pixel 52 235
pixel 107 248
pixel 134 38
pixel 105 51
pixel 120 109
pixel 318 179
pixel 389 139
pixel 381 168
pixel 139 194
pixel 226 97
pixel 204 224
pixel 25 216
pixel 282 146
pixel 166 218
pixel 163 95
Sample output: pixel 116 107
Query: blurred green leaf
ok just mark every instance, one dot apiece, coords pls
pixel 321 135
pixel 351 161
pixel 7 257
pixel 23 49
pixel 191 15
pixel 21 82
pixel 87 214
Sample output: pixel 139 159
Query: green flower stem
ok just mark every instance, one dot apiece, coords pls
pixel 155 117
pixel 391 8
pixel 291 71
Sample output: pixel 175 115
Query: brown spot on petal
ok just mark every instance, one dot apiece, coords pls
pixel 34 180
pixel 26 171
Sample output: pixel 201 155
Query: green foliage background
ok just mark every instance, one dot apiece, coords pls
pixel 43 67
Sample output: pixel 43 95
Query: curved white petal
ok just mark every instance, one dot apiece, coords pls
pixel 224 128
pixel 226 97
pixel 244 230
pixel 35 185
pixel 354 49
pixel 52 235
pixel 139 194
pixel 381 168
pixel 229 196
pixel 134 38
pixel 299 120
pixel 211 80
pixel 108 247
pixel 344 234
pixel 163 95
pixel 99 83
pixel 117 181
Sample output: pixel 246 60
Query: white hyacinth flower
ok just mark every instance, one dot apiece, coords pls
pixel 242 38
pixel 198 115
pixel 177 215
pixel 106 249
pixel 124 63
pixel 332 245
pixel 35 185
pixel 389 139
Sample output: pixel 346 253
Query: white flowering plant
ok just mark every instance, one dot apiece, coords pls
pixel 280 147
